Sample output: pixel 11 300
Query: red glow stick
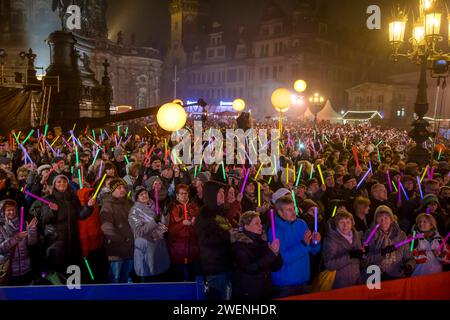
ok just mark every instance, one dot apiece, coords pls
pixel 185 212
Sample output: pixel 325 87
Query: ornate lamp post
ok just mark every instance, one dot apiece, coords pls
pixel 424 50
pixel 316 104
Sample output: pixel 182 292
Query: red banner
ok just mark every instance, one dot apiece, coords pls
pixel 433 287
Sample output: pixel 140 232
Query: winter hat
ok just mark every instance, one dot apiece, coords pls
pixel 154 158
pixel 60 176
pixel 210 191
pixel 137 192
pixel 9 203
pixel 384 209
pixel 348 177
pixel 57 159
pixel 204 176
pixel 43 167
pixel 150 181
pixel 115 183
pixel 430 198
pixel 279 194
pixel 311 181
pixel 308 204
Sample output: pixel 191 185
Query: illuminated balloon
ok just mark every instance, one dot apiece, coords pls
pixel 238 105
pixel 171 117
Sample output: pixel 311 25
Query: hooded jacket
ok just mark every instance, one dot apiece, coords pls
pixel 213 233
pixel 61 228
pixel 16 250
pixel 115 226
pixel 296 262
pixel 151 256
pixel 392 263
pixel 253 264
pixel 336 257
pixel 91 234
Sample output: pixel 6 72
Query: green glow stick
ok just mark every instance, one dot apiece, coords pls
pixel 94 142
pixel 126 159
pixel 299 174
pixel 412 243
pixel 80 182
pixel 45 131
pixel 76 154
pixel 223 171
pixel 17 139
pixel 28 136
pixel 126 132
pixel 380 142
pixel 89 268
pixel 378 151
pixel 118 131
pixel 96 155
pixel 195 172
pixel 93 134
pixel 312 172
pixel 295 203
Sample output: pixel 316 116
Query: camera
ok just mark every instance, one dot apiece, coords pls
pixel 440 68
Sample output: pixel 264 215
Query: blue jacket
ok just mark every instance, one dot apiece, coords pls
pixel 296 264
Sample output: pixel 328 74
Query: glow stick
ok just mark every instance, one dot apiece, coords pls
pixel 80 181
pixel 126 132
pixel 94 142
pixel 378 151
pixel 89 268
pixel 395 187
pixel 420 187
pixel 118 130
pixel 17 139
pixel 398 191
pixel 334 211
pixel 36 197
pixel 195 172
pixel 363 178
pixel 26 153
pixel 96 155
pixel 272 220
pixel 54 141
pixel 299 174
pixel 403 190
pixel 45 131
pixel 312 172
pixel 156 201
pixel 320 173
pixel 380 142
pixel 126 159
pixel 398 245
pixel 149 154
pixel 389 180
pixel 76 155
pixel 28 136
pixel 93 133
pixel 259 194
pixel 55 166
pixel 245 181
pixel 21 219
pixel 257 172
pixel 100 169
pixel 424 172
pixel 223 172
pixel 315 221
pixel 412 242
pixel 444 242
pixel 366 243
pixel 287 174
pixel 185 212
pixel 68 145
pixel 147 129
pixel 355 155
pixel 295 203
pixel 53 150
pixel 99 186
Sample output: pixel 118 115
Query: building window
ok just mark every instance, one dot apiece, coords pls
pixel 261 73
pixel 274 72
pixel 295 69
pixel 241 74
pixel 220 52
pixel 231 75
pixel 277 29
pixel 210 53
pixel 381 99
pixel 401 112
pixel 267 73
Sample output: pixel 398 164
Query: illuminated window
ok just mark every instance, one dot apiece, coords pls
pixel 401 112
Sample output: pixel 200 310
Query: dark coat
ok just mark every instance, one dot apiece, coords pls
pixel 213 235
pixel 253 264
pixel 61 228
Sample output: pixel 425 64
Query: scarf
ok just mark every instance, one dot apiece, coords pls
pixel 348 237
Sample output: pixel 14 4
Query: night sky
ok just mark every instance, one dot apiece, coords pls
pixel 150 18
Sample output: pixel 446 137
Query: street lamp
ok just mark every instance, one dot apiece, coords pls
pixel 316 104
pixel 424 50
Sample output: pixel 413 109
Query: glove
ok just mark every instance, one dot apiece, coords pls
pixel 407 270
pixel 356 254
pixel 388 249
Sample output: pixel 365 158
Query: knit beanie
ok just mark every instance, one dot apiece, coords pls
pixel 60 176
pixel 430 198
pixel 115 183
pixel 384 209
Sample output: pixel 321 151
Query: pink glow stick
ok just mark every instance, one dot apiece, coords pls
pixel 444 242
pixel 245 181
pixel 371 235
pixel 21 219
pixel 398 245
pixel 36 197
pixel 389 181
pixel 272 220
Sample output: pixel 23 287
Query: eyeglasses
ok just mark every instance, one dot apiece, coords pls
pixel 183 193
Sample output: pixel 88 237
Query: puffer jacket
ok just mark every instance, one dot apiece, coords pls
pixel 253 264
pixel 91 234
pixel 151 256
pixel 336 257
pixel 118 234
pixel 426 252
pixel 182 240
pixel 14 250
pixel 392 263
pixel 61 228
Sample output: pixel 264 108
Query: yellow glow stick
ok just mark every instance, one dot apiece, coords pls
pixel 320 173
pixel 99 186
pixel 259 194
pixel 256 176
pixel 56 139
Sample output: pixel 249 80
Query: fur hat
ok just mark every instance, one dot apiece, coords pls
pixel 43 167
pixel 384 209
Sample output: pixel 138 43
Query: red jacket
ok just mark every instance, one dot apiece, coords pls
pixel 182 241
pixel 91 235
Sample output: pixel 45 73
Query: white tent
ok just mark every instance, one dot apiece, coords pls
pixel 328 114
pixel 308 115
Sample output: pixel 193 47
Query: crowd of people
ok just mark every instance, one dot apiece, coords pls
pixel 116 203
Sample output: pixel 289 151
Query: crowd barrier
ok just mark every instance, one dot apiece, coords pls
pixel 148 291
pixel 432 287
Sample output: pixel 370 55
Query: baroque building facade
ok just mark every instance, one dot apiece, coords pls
pixel 134 70
pixel 250 63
